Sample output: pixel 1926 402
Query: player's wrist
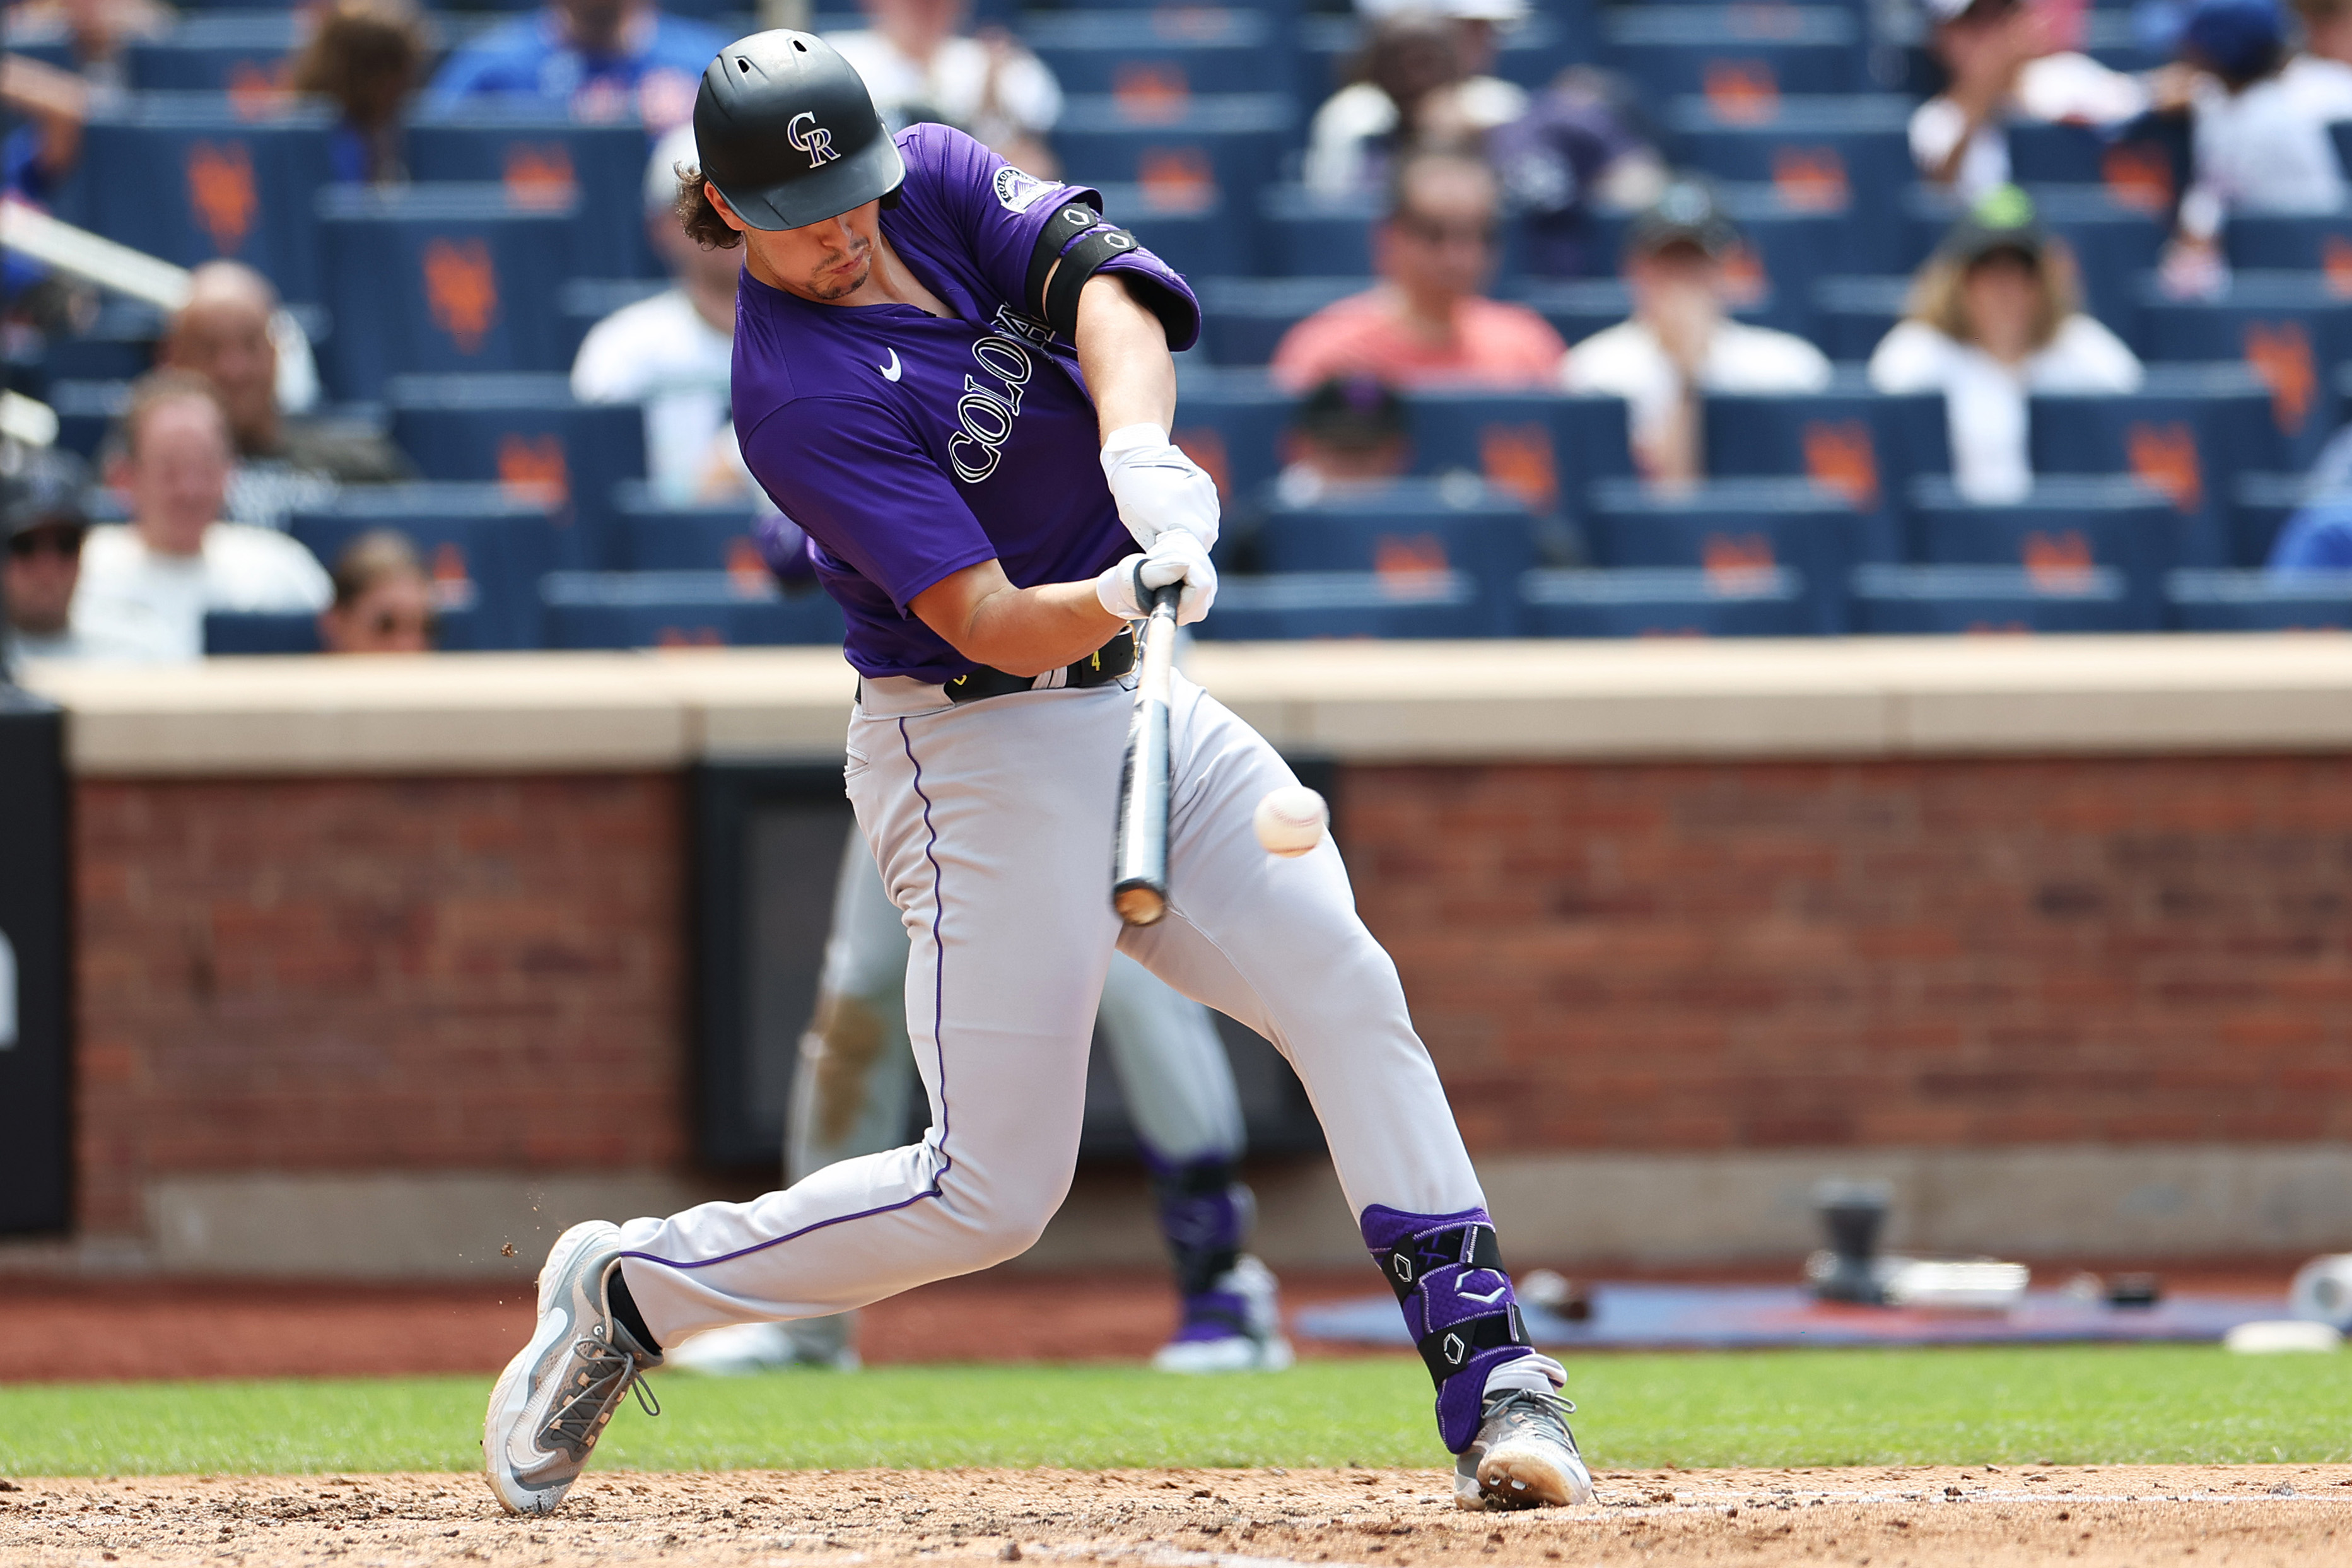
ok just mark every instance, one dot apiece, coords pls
pixel 1143 436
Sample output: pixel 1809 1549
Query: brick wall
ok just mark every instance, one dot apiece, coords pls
pixel 1932 954
pixel 377 974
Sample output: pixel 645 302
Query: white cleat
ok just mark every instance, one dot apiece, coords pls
pixel 553 1401
pixel 1523 1456
pixel 1234 1326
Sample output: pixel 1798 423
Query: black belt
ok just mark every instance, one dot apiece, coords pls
pixel 1100 667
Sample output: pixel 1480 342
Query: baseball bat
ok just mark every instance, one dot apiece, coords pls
pixel 1139 884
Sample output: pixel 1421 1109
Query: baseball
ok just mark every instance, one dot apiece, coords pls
pixel 1290 820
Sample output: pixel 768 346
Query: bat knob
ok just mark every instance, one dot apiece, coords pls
pixel 1140 905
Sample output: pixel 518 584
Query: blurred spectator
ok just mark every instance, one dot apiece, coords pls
pixel 152 581
pixel 1418 81
pixel 1576 153
pixel 2007 60
pixel 606 59
pixel 45 521
pixel 1995 316
pixel 384 598
pixel 2319 79
pixel 1426 322
pixel 225 334
pixel 674 353
pixel 920 67
pixel 47 109
pixel 97 32
pixel 1679 342
pixel 1350 434
pixel 365 57
pixel 2318 537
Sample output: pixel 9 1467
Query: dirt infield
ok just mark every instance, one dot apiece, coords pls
pixel 2279 1514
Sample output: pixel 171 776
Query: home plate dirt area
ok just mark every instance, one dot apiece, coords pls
pixel 2286 1514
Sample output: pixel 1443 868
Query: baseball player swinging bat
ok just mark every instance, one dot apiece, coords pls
pixel 1138 887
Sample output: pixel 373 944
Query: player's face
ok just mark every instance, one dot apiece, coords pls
pixel 827 262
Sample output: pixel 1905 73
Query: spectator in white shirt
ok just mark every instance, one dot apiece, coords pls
pixel 2007 61
pixel 1422 80
pixel 2319 79
pixel 673 353
pixel 154 579
pixel 1680 342
pixel 920 66
pixel 1995 317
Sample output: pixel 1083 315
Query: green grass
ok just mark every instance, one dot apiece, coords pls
pixel 2071 1404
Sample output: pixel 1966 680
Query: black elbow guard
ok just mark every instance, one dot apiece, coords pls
pixel 1057 306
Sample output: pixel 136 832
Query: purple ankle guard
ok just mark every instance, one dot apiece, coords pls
pixel 1204 1213
pixel 1447 1272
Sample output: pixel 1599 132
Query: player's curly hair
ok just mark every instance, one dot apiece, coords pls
pixel 698 216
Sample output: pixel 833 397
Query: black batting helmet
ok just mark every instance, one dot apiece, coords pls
pixel 787 132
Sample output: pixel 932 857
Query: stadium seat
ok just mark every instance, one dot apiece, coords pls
pixel 1412 529
pixel 2187 434
pixel 1199 240
pixel 1740 57
pixel 86 411
pixel 1738 531
pixel 1853 314
pixel 1928 601
pixel 2259 602
pixel 118 343
pixel 2145 168
pixel 1232 423
pixel 1542 448
pixel 1665 601
pixel 527 435
pixel 548 161
pixel 654 536
pixel 190 178
pixel 488 548
pixel 1153 60
pixel 2265 502
pixel 682 609
pixel 1833 153
pixel 2285 242
pixel 2290 328
pixel 432 279
pixel 1864 445
pixel 284 632
pixel 2066 528
pixel 1206 148
pixel 241 53
pixel 1241 319
pixel 1322 605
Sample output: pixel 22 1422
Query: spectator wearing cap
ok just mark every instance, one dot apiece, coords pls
pixel 2008 60
pixel 1680 343
pixel 46 522
pixel 1427 321
pixel 602 59
pixel 674 353
pixel 2319 79
pixel 384 598
pixel 1995 316
pixel 919 64
pixel 1420 79
pixel 1348 437
pixel 229 333
pixel 152 581
pixel 364 56
pixel 1577 153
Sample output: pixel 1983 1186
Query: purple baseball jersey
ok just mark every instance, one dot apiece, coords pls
pixel 910 446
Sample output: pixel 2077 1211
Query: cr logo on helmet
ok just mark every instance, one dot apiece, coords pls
pixel 804 133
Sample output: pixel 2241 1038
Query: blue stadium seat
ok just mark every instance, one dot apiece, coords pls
pixel 1928 601
pixel 1156 59
pixel 2342 132
pixel 1305 233
pixel 86 411
pixel 548 161
pixel 682 609
pixel 119 344
pixel 1231 423
pixel 2284 243
pixel 486 548
pixel 1542 448
pixel 1738 55
pixel 654 536
pixel 1324 604
pixel 2265 502
pixel 1633 602
pixel 284 632
pixel 1853 314
pixel 2145 168
pixel 241 53
pixel 188 177
pixel 2187 434
pixel 2291 328
pixel 432 280
pixel 1241 319
pixel 529 436
pixel 2067 528
pixel 1199 240
pixel 2259 602
pixel 1209 147
pixel 1413 530
pixel 1864 445
pixel 1738 531
pixel 1834 153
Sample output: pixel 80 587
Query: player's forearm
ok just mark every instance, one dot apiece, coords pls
pixel 1024 631
pixel 1123 350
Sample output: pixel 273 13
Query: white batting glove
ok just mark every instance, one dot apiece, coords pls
pixel 1178 557
pixel 1159 490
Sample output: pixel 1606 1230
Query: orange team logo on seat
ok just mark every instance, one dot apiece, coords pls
pixel 538 175
pixel 256 91
pixel 697 636
pixel 1742 93
pixel 461 286
pixel 2279 354
pixel 453 585
pixel 1811 178
pixel 1744 281
pixel 1408 563
pixel 2137 176
pixel 532 468
pixel 1207 448
pixel 1736 562
pixel 221 192
pixel 1519 460
pixel 2163 459
pixel 747 569
pixel 1839 456
pixel 2061 559
pixel 1176 179
pixel 1154 94
pixel 2336 266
